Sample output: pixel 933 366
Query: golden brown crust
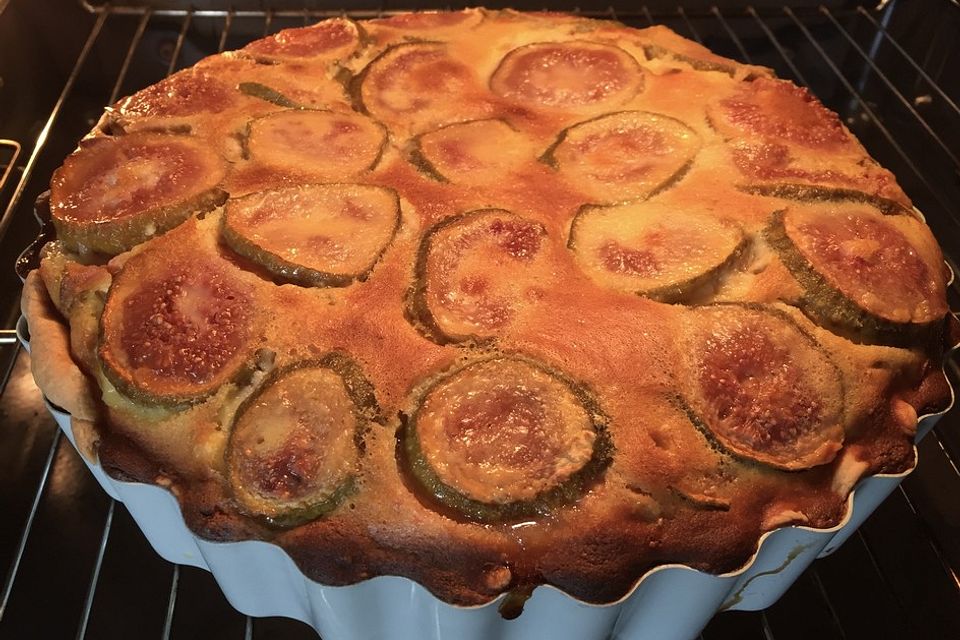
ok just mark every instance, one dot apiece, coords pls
pixel 674 486
pixel 86 437
pixel 54 368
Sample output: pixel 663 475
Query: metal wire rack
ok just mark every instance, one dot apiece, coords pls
pixel 890 72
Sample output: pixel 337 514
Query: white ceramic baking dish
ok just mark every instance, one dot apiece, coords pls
pixel 670 602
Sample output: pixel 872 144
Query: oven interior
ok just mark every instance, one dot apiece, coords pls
pixel 73 563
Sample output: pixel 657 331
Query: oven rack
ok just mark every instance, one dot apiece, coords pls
pixel 76 565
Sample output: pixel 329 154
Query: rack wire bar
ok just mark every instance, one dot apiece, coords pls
pixel 818 583
pixel 8 370
pixel 171 603
pixel 11 163
pixel 880 572
pixel 125 67
pixel 930 540
pixel 896 537
pixel 267 22
pixel 775 41
pixel 646 14
pixel 715 10
pixel 185 26
pixel 686 20
pixel 227 23
pixel 947 454
pixel 910 60
pixel 896 92
pixel 95 577
pixel 28 526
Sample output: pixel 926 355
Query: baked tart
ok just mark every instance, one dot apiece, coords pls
pixel 488 300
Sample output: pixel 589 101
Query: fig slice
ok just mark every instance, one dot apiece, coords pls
pixel 325 145
pixel 780 134
pixel 326 41
pixel 114 193
pixel 479 152
pixel 321 235
pixel 624 156
pixel 178 322
pixel 476 273
pixel 762 388
pixel 773 109
pixel 505 438
pixel 431 22
pixel 296 443
pixel 574 75
pixel 194 91
pixel 409 87
pixel 218 96
pixel 653 249
pixel 878 278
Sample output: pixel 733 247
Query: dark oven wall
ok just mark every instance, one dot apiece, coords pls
pixel 73 563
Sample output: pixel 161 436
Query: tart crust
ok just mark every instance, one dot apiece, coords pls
pixel 52 362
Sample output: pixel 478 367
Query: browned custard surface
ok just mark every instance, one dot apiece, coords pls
pixel 488 300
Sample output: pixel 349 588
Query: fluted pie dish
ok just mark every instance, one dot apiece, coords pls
pixel 446 307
